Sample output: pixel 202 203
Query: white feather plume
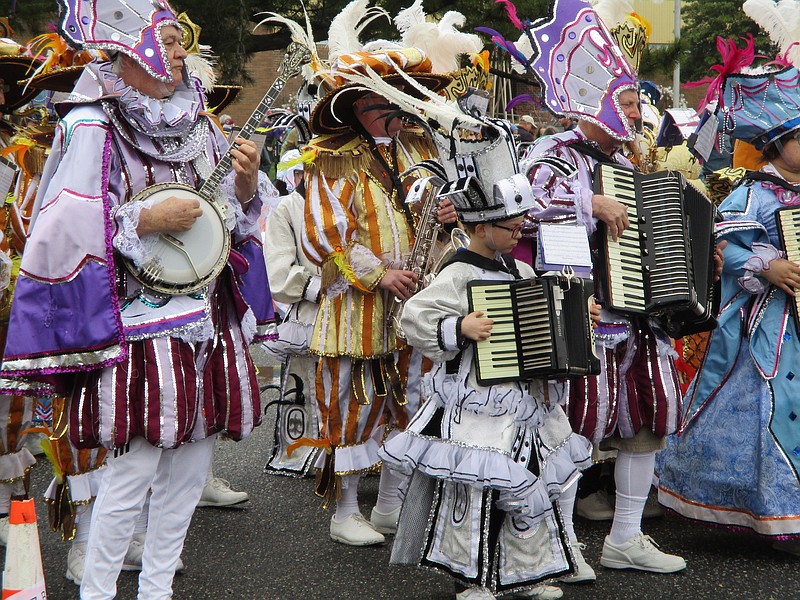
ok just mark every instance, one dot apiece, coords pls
pixel 612 12
pixel 201 65
pixel 442 41
pixel 432 106
pixel 347 26
pixel 408 17
pixel 781 20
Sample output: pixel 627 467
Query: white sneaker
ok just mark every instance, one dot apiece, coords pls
pixel 540 592
pixel 133 557
pixel 355 530
pixel 584 573
pixel 475 594
pixel 76 558
pixel 595 507
pixel 4 525
pixel 639 552
pixel 385 523
pixel 218 492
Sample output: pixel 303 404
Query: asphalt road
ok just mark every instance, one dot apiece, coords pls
pixel 276 547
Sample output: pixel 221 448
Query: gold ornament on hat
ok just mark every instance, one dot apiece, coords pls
pixel 190 35
pixel 631 35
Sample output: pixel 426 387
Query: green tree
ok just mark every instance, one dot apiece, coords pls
pixel 28 17
pixel 228 27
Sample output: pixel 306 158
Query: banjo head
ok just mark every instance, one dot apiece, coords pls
pixel 185 261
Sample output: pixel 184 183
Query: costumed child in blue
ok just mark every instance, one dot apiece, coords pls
pixel 736 457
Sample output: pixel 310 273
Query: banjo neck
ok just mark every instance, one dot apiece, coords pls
pixel 296 56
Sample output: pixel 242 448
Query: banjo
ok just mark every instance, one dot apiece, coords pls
pixel 183 262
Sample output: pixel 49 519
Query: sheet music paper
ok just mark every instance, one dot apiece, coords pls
pixel 7 172
pixel 564 245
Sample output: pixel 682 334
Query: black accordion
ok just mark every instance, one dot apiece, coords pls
pixel 662 265
pixel 542 329
pixel 788 221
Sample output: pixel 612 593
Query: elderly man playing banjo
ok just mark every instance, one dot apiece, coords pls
pixel 138 296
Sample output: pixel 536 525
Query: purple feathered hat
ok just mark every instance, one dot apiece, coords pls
pixel 581 68
pixel 132 27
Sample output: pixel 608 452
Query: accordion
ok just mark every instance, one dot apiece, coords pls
pixel 542 329
pixel 662 265
pixel 788 221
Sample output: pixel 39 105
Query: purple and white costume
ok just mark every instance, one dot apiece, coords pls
pixel 78 312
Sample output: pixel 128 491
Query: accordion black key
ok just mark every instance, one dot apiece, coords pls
pixel 662 265
pixel 788 221
pixel 542 329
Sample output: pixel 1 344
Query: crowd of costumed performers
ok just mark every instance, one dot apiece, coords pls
pixel 510 324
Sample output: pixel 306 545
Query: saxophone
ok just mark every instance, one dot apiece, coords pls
pixel 432 247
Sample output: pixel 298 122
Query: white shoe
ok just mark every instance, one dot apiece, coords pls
pixel 540 592
pixel 475 594
pixel 639 552
pixel 385 523
pixel 355 530
pixel 584 573
pixel 76 558
pixel 218 492
pixel 133 557
pixel 598 506
pixel 4 525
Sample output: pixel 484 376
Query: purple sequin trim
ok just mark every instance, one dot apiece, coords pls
pixel 112 276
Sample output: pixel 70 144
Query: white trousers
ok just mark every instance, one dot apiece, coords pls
pixel 176 478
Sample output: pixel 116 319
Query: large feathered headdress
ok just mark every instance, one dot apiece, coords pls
pixel 581 68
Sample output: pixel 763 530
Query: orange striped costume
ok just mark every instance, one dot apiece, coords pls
pixel 356 228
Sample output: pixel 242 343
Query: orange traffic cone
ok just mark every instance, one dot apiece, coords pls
pixel 23 577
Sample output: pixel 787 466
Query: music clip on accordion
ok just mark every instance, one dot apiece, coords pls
pixel 788 221
pixel 542 329
pixel 662 266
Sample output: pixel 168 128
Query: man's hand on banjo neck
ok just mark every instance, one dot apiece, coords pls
pixel 179 214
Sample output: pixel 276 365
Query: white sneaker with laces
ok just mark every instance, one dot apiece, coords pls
pixel 76 558
pixel 475 594
pixel 4 525
pixel 355 530
pixel 540 592
pixel 584 573
pixel 218 492
pixel 133 557
pixel 386 523
pixel 640 552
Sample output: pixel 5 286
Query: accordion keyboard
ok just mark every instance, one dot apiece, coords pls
pixel 521 329
pixel 789 230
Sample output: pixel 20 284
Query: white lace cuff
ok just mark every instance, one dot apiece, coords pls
pixel 763 255
pixel 126 240
pixel 241 222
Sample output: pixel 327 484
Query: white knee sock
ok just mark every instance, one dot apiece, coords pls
pixel 388 492
pixel 566 502
pixel 347 504
pixel 83 519
pixel 633 475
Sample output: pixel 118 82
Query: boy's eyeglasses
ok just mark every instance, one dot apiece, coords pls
pixel 514 230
